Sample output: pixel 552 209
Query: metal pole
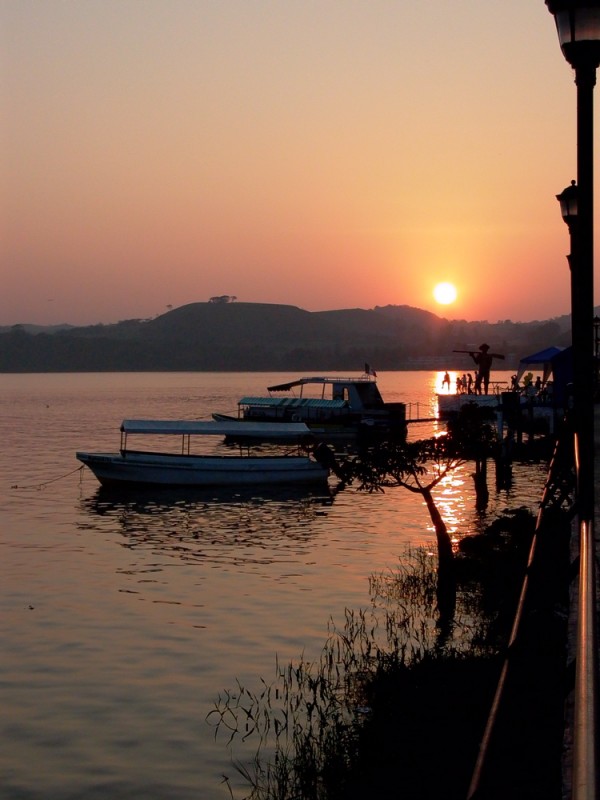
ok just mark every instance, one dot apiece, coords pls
pixel 585 721
pixel 583 287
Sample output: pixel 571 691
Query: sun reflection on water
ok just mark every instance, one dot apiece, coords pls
pixel 454 496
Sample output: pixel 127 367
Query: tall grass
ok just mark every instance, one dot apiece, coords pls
pixel 308 721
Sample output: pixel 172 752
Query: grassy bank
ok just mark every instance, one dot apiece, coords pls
pixel 397 703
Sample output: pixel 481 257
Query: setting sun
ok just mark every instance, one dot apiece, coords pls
pixel 444 293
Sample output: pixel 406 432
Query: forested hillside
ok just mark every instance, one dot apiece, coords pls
pixel 254 336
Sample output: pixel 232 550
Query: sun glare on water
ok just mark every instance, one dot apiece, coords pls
pixel 444 293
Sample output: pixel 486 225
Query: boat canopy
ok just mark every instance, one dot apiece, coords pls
pixel 286 387
pixel 258 430
pixel 292 402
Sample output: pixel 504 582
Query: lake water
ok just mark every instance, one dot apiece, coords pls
pixel 123 618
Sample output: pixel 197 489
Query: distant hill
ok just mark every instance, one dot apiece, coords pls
pixel 265 337
pixel 35 328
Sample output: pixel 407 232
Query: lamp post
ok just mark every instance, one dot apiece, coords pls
pixel 569 205
pixel 578 27
pixel 569 200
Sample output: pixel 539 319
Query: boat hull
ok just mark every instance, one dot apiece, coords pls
pixel 137 468
pixel 335 427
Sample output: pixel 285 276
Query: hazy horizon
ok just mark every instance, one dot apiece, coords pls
pixel 239 301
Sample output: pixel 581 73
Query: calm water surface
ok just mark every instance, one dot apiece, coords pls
pixel 123 617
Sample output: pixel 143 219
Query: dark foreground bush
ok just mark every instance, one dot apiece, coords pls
pixel 396 705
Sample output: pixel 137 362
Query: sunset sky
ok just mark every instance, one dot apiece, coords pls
pixel 320 153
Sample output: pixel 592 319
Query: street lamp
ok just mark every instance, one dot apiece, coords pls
pixel 569 205
pixel 578 27
pixel 568 200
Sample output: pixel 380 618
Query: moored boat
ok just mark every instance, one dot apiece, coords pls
pixel 330 406
pixel 185 467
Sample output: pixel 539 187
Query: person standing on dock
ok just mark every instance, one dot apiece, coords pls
pixel 483 359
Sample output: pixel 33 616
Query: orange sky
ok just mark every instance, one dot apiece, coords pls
pixel 320 153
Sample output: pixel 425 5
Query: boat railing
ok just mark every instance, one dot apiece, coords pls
pixel 341 379
pixel 495 388
pixel 419 412
pixel 413 410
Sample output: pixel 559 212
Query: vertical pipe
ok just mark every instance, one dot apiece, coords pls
pixel 583 287
pixel 584 765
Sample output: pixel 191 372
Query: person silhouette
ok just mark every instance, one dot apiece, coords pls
pixel 483 359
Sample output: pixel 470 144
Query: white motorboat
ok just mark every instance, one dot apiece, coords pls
pixel 330 406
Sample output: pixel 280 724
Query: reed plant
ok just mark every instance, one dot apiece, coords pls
pixel 316 722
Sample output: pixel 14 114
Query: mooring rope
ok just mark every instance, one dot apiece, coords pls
pixel 43 485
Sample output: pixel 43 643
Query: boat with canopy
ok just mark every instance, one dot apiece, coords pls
pixel 250 463
pixel 331 406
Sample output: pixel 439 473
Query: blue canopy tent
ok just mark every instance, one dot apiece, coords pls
pixel 542 360
pixel 552 361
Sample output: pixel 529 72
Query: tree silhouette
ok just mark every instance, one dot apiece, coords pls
pixel 419 467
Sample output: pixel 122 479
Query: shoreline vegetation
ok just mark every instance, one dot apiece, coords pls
pixel 397 703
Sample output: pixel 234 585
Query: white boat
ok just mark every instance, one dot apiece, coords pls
pixel 451 403
pixel 188 468
pixel 329 406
